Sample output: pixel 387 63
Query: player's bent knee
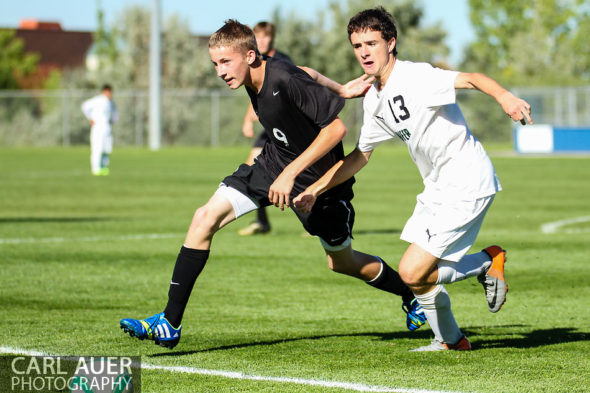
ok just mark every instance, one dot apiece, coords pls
pixel 204 220
pixel 409 277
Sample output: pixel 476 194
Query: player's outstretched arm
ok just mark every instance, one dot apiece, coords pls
pixel 352 89
pixel 328 137
pixel 338 174
pixel 516 108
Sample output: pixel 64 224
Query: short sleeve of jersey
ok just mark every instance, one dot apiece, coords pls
pixel 435 85
pixel 318 103
pixel 372 135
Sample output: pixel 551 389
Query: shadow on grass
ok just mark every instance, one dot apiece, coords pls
pixel 383 336
pixel 13 220
pixel 532 339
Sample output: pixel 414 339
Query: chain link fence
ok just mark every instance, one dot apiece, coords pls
pixel 214 117
pixel 560 107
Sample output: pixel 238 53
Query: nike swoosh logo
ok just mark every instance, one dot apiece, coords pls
pixel 174 283
pixel 274 93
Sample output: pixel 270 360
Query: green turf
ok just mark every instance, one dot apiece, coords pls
pixel 269 306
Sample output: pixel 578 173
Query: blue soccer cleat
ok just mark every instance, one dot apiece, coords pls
pixel 415 317
pixel 155 328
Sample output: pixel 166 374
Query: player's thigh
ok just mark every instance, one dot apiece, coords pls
pixel 416 265
pixel 251 181
pixel 207 220
pixel 228 204
pixel 96 139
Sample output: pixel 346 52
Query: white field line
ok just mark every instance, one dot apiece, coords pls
pixel 249 377
pixel 144 236
pixel 553 227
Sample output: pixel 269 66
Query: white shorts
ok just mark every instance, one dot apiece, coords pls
pixel 446 230
pixel 240 202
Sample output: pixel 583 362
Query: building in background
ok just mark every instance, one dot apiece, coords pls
pixel 57 49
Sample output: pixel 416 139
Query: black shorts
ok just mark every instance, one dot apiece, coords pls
pixel 331 218
pixel 261 139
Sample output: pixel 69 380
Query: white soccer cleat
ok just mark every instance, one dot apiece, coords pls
pixel 435 345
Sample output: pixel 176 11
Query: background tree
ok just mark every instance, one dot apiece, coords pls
pixel 105 45
pixel 322 43
pixel 538 43
pixel 15 64
pixel 122 53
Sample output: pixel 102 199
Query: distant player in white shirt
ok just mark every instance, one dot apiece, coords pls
pixel 100 110
pixel 416 103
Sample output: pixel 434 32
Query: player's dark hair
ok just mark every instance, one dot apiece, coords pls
pixel 106 86
pixel 235 35
pixel 375 19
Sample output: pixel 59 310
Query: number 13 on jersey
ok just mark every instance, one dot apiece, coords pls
pixel 400 108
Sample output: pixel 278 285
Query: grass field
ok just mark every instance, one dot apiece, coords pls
pixel 78 253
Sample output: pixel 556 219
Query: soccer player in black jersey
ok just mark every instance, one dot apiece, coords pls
pixel 305 133
pixel 265 37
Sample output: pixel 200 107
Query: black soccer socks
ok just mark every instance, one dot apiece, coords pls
pixel 189 264
pixel 390 281
pixel 262 218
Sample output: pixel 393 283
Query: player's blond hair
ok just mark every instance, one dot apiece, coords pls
pixel 235 35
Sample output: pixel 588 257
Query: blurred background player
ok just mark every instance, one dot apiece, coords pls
pixel 100 110
pixel 265 37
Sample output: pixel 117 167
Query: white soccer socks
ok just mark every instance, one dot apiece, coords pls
pixel 469 266
pixel 437 308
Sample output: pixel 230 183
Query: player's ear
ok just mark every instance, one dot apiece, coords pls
pixel 391 44
pixel 251 57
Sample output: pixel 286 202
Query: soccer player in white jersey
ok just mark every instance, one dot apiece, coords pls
pixel 416 102
pixel 100 110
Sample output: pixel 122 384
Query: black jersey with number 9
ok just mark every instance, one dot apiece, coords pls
pixel 293 108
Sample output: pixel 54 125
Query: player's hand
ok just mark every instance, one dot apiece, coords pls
pixel 280 189
pixel 357 87
pixel 304 202
pixel 516 108
pixel 91 123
